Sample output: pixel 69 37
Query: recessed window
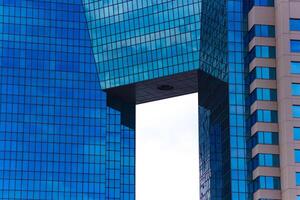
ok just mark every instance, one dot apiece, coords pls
pixel 267 183
pixel 265 52
pixel 296 111
pixel 267 116
pixel 295 24
pixel 297 179
pixel 262 3
pixel 261 137
pixel 295 46
pixel 262 52
pixel 296 133
pixel 297 155
pixel 263 94
pixel 295 67
pixel 295 89
pixel 265 160
pixel 267 73
pixel 261 30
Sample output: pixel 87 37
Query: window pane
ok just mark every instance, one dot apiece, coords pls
pixel 297 155
pixel 263 73
pixel 295 46
pixel 296 131
pixel 297 178
pixel 262 3
pixel 295 67
pixel 295 89
pixel 296 111
pixel 295 24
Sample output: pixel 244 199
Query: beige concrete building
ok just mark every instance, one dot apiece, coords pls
pixel 277 31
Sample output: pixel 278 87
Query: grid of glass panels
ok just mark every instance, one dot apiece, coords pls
pixel 54 118
pixel 141 39
pixel 238 175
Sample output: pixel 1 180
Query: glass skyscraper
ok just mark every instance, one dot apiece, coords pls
pixel 72 72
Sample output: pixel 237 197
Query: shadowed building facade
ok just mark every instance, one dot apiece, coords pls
pixel 72 72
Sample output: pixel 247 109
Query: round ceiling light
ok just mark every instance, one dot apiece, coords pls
pixel 165 87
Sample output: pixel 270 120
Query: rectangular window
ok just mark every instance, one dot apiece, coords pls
pixel 297 179
pixel 267 116
pixel 296 111
pixel 295 67
pixel 265 52
pixel 260 137
pixel 263 94
pixel 298 197
pixel 261 52
pixel 295 89
pixel 296 133
pixel 261 3
pixel 295 46
pixel 265 160
pixel 261 30
pixel 297 155
pixel 295 24
pixel 267 183
pixel 267 73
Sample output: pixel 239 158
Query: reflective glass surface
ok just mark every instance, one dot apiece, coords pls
pixel 295 67
pixel 297 155
pixel 263 94
pixel 261 30
pixel 296 111
pixel 295 46
pixel 297 178
pixel 261 52
pixel 264 52
pixel 295 24
pixel 295 89
pixel 139 40
pixel 265 160
pixel 54 118
pixel 267 73
pixel 268 116
pixel 262 3
pixel 238 175
pixel 270 138
pixel 267 183
pixel 64 138
pixel 296 132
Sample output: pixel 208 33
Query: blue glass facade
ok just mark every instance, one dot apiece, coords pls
pixel 64 136
pixel 58 137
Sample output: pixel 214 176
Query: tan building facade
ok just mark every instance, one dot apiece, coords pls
pixel 284 20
